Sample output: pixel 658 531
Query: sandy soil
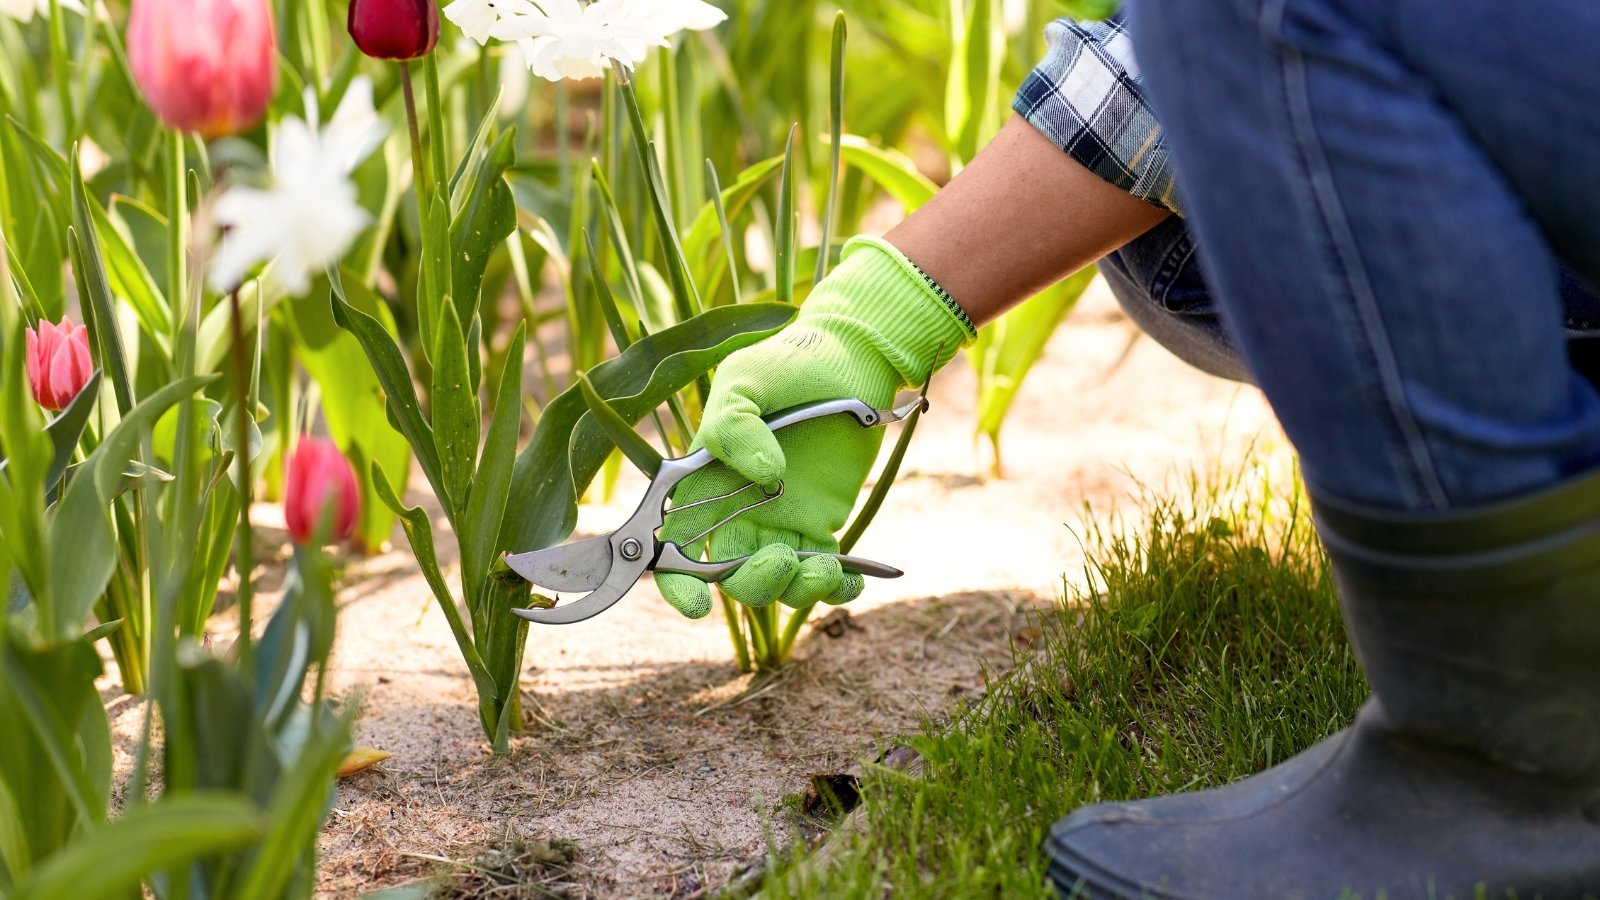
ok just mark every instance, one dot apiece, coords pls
pixel 653 767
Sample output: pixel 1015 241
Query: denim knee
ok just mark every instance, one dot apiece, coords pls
pixel 1157 281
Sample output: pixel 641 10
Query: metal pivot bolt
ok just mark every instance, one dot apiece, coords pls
pixel 632 549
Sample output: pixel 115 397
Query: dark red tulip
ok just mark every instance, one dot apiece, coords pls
pixel 394 29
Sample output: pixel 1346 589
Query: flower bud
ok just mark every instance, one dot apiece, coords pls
pixel 394 29
pixel 59 364
pixel 205 66
pixel 319 478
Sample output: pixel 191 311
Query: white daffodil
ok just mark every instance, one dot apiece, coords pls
pixel 475 17
pixel 24 10
pixel 308 217
pixel 566 39
pixel 668 17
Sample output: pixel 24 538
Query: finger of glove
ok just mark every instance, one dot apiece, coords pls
pixel 764 577
pixel 817 578
pixel 686 594
pixel 735 434
pixel 850 587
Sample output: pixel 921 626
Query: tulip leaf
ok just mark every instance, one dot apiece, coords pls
pixel 564 454
pixel 87 552
pixel 294 814
pixel 455 416
pixel 419 531
pixel 486 509
pixel 128 276
pixel 636 448
pixel 405 412
pixel 42 202
pixel 488 216
pixel 99 312
pixel 114 859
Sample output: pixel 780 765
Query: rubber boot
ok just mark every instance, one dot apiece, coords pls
pixel 1473 767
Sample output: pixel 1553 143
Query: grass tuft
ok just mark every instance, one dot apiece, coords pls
pixel 1207 647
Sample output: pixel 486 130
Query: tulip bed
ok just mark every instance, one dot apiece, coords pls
pixel 298 251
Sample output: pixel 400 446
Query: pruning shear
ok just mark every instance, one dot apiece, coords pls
pixel 608 566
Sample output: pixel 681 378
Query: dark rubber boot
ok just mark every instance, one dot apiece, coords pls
pixel 1475 765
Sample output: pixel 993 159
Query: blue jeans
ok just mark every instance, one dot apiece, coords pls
pixel 1385 192
pixel 1160 283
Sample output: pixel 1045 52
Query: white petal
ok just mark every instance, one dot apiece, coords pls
pixel 475 18
pixel 21 10
pixel 355 129
pixel 517 28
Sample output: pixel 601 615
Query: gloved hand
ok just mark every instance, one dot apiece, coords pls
pixel 874 325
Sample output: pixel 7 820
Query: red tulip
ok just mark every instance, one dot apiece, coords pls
pixel 203 65
pixel 394 29
pixel 59 364
pixel 319 478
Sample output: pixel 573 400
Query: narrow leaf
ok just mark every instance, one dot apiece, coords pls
pixel 636 448
pixel 455 415
pixel 836 125
pixel 783 232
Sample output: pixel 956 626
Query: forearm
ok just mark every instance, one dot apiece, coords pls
pixel 1022 216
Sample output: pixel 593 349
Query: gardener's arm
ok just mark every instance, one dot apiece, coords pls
pixel 1021 217
pixel 1067 181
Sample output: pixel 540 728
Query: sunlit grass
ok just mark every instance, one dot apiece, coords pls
pixel 1209 647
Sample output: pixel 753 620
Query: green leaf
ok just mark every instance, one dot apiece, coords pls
pixel 455 416
pixel 82 522
pixel 295 813
pixel 113 860
pixel 698 241
pixel 488 216
pixel 1008 348
pixel 636 448
pixel 784 228
pixel 419 532
pixel 891 169
pixel 100 311
pixel 128 276
pixel 558 464
pixel 608 303
pixel 390 367
pixel 434 281
pixel 836 128
pixel 487 507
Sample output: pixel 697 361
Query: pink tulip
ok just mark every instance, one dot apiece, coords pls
pixel 320 477
pixel 203 65
pixel 59 364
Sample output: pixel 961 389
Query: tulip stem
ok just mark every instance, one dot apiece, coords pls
pixel 419 163
pixel 244 554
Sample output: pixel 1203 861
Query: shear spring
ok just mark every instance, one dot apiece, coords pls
pixel 767 497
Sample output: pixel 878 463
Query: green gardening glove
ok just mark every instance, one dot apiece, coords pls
pixel 872 327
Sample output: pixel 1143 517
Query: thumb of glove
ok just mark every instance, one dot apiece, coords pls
pixel 735 434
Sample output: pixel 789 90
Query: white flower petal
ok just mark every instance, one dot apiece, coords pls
pixel 517 28
pixel 475 18
pixel 355 129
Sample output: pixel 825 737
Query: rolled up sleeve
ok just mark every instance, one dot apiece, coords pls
pixel 1086 97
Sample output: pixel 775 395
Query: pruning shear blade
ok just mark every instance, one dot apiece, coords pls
pixel 609 565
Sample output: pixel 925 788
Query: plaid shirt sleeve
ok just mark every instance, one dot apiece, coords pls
pixel 1086 98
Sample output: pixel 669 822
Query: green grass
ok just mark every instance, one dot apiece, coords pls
pixel 1209 648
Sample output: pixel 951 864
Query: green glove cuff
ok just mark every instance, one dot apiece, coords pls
pixel 880 295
